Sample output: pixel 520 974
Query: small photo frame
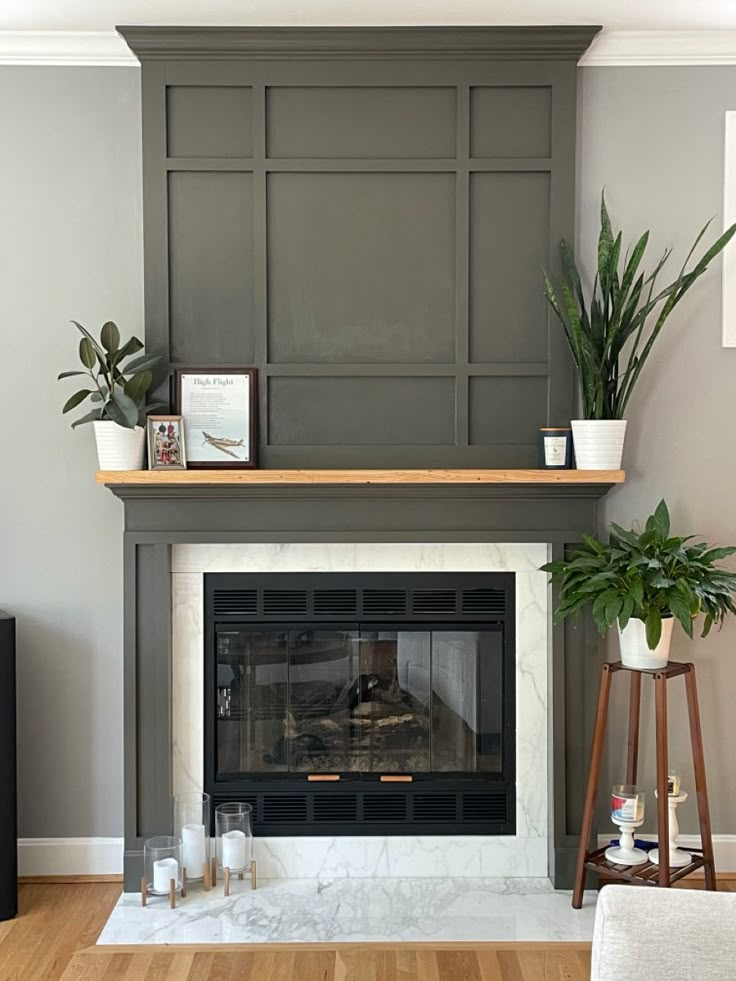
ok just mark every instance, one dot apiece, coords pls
pixel 218 410
pixel 165 443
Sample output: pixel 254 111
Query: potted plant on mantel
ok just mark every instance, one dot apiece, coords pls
pixel 642 582
pixel 118 395
pixel 608 333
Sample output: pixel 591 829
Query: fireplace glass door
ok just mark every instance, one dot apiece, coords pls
pixel 358 701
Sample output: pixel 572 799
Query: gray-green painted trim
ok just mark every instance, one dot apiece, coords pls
pixel 477 43
pixel 156 518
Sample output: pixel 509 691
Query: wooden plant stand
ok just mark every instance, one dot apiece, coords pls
pixel 647 874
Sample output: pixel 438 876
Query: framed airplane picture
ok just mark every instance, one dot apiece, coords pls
pixel 218 409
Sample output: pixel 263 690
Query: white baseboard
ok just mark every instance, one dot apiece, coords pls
pixel 724 847
pixel 70 856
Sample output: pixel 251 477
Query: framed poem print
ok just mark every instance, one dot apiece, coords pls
pixel 218 409
pixel 165 443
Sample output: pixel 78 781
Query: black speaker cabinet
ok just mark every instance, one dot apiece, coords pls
pixel 8 806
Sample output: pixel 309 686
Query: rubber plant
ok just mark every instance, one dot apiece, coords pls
pixel 647 575
pixel 118 386
pixel 612 330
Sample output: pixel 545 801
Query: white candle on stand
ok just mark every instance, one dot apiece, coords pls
pixel 192 848
pixel 233 850
pixel 164 871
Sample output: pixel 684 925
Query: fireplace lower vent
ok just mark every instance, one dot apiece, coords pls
pixel 397 812
pixel 379 703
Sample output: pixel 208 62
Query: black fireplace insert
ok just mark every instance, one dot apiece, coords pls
pixel 350 703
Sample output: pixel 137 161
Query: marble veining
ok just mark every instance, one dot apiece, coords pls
pixel 358 910
pixel 524 854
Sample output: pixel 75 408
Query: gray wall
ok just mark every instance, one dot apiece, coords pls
pixel 654 138
pixel 71 247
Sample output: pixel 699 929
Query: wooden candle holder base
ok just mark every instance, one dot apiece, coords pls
pixel 184 882
pixel 206 876
pixel 172 890
pixel 213 874
pixel 241 876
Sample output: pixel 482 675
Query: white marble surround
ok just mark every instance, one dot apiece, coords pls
pixel 357 911
pixel 427 857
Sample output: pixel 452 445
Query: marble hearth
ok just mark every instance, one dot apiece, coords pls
pixel 523 855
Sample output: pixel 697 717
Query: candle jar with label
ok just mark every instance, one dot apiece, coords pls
pixel 627 811
pixel 555 448
pixel 234 840
pixel 192 821
pixel 162 867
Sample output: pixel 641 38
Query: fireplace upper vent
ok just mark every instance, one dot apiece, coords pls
pixel 367 603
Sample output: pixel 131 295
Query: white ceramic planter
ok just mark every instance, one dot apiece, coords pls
pixel 119 448
pixel 635 653
pixel 599 443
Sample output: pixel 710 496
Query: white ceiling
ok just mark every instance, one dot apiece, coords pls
pixel 103 15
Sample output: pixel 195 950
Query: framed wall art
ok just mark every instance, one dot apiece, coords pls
pixel 218 408
pixel 165 443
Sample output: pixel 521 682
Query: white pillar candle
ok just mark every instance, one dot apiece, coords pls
pixel 233 850
pixel 164 871
pixel 192 848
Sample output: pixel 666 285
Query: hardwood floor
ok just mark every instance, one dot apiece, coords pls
pixel 54 922
pixel 345 963
pixel 53 939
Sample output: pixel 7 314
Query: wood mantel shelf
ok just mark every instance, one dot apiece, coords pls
pixel 171 478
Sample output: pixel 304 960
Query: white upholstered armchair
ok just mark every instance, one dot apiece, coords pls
pixel 650 934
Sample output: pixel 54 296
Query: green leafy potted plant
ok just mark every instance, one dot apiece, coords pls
pixel 117 391
pixel 611 330
pixel 642 582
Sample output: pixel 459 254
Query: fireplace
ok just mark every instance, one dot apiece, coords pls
pixel 364 703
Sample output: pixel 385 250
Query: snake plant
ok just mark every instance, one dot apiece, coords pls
pixel 611 333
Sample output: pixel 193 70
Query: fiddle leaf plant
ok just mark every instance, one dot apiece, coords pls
pixel 646 575
pixel 118 387
pixel 607 331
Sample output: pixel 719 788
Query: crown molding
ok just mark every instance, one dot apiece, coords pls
pixel 662 48
pixel 609 48
pixel 406 43
pixel 91 48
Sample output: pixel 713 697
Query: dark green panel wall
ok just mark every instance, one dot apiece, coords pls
pixel 369 232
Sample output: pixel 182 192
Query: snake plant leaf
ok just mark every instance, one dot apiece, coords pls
pixel 74 400
pixel 87 353
pixel 110 337
pixel 605 243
